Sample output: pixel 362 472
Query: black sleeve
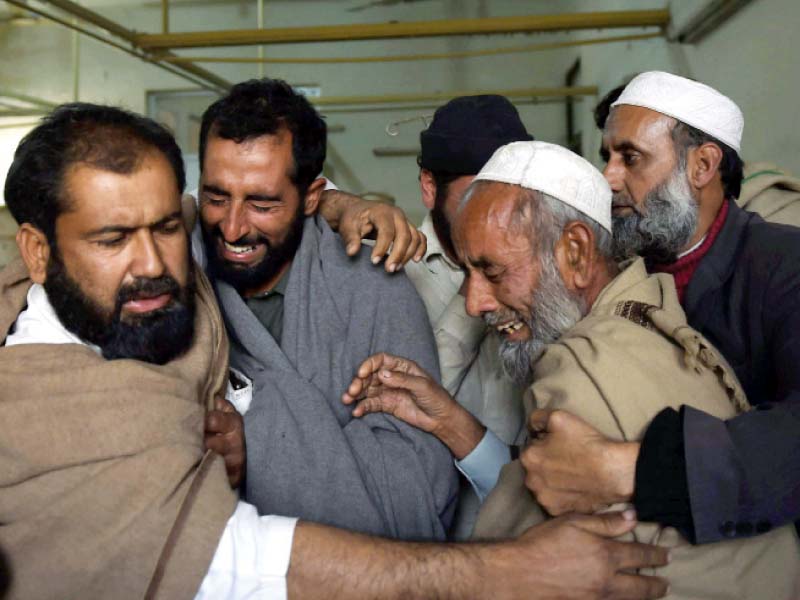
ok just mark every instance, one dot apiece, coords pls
pixel 661 492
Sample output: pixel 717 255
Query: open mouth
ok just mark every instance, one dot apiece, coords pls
pixel 239 252
pixel 510 327
pixel 238 249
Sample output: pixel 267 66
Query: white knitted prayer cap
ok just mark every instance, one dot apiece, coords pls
pixel 690 102
pixel 555 171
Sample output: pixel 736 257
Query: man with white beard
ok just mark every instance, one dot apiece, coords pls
pixel 612 347
pixel 672 151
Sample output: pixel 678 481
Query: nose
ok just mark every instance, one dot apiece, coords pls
pixel 614 174
pixel 234 225
pixel 147 261
pixel 479 296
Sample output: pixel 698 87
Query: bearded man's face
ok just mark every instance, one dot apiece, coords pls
pixel 118 273
pixel 654 211
pixel 512 284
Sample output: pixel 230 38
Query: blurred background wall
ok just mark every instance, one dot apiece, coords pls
pixel 743 48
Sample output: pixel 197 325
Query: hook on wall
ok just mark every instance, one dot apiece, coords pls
pixel 392 128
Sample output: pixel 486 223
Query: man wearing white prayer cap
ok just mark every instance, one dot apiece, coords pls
pixel 608 345
pixel 672 151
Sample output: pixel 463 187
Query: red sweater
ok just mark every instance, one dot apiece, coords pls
pixel 683 268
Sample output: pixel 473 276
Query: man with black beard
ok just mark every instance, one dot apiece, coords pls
pixel 672 148
pixel 302 315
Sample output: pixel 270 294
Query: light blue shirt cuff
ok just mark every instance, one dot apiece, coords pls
pixel 482 466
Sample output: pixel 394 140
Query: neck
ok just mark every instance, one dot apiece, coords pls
pixel 269 283
pixel 604 273
pixel 709 202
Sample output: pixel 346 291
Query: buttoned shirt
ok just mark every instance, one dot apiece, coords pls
pixel 268 307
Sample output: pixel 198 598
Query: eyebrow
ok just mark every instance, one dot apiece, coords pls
pixel 479 263
pixel 177 215
pixel 212 189
pixel 627 145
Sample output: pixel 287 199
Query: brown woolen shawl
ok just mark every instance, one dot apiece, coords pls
pixel 97 460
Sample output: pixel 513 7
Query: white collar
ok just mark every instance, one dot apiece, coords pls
pixel 435 249
pixel 693 248
pixel 39 324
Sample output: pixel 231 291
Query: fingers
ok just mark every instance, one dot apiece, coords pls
pixel 385 234
pixel 223 405
pixel 219 421
pixel 350 232
pixel 537 422
pixel 382 403
pixel 402 239
pixel 637 587
pixel 610 525
pixel 422 247
pixel 633 555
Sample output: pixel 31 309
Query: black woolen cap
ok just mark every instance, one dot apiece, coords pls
pixel 466 131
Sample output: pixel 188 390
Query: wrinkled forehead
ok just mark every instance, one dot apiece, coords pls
pixel 485 214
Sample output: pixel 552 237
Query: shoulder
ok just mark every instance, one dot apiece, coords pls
pixel 356 276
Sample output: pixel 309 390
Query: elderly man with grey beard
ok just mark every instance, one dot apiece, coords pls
pixel 672 148
pixel 608 345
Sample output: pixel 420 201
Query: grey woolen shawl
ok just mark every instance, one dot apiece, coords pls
pixel 306 456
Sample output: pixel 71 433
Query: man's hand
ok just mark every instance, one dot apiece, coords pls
pixel 574 557
pixel 398 386
pixel 356 219
pixel 225 436
pixel 572 467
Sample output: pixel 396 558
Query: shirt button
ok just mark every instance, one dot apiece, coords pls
pixel 744 528
pixel 763 526
pixel 728 529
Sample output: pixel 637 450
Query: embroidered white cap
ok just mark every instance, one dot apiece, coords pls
pixel 688 101
pixel 555 171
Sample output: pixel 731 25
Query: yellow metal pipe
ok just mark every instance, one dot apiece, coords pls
pixel 374 31
pixel 190 72
pixel 165 16
pixel 587 90
pixel 415 57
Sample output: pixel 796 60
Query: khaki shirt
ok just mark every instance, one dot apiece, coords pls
pixel 468 357
pixel 629 358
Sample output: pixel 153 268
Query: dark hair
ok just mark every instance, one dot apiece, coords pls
pixel 603 108
pixel 731 167
pixel 262 107
pixel 103 137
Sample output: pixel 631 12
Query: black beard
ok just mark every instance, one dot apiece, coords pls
pixel 247 278
pixel 156 337
pixel 442 227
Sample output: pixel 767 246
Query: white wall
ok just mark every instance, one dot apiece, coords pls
pixel 753 58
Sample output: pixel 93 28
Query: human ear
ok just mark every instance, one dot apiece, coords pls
pixel 574 253
pixel 703 165
pixel 427 186
pixel 313 195
pixel 34 250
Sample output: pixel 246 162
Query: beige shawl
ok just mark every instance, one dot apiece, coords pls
pixel 101 460
pixel 629 358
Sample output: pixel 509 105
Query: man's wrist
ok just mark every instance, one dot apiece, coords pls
pixel 620 466
pixel 460 432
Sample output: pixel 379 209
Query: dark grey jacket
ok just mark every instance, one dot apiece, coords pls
pixel 743 475
pixel 306 456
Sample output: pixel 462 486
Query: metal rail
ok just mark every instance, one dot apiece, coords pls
pixel 413 29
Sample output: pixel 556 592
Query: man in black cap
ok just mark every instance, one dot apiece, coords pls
pixel 464 134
